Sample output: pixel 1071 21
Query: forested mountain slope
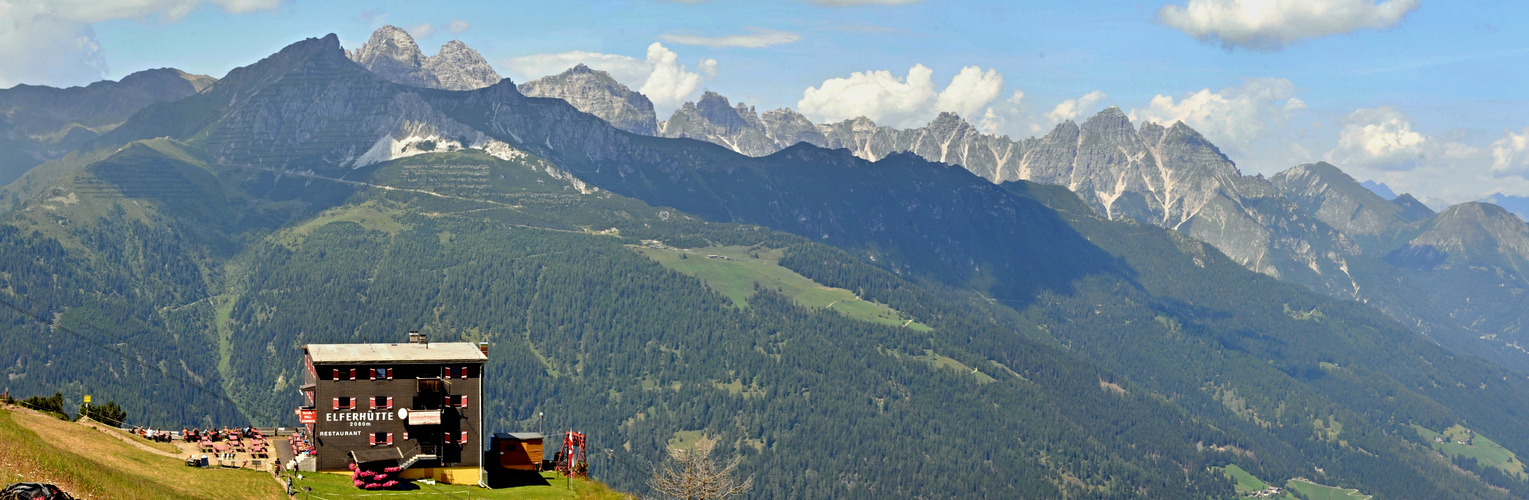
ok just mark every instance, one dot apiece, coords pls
pixel 303 199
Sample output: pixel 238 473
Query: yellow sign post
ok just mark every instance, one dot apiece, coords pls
pixel 87 399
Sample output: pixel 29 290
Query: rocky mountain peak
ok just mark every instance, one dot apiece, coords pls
pixel 949 120
pixel 714 108
pixel 392 54
pixel 596 92
pixel 459 67
pixel 1111 125
pixel 1412 209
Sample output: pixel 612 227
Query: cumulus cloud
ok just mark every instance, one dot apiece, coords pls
pixel 671 83
pixel 458 26
pixel 1380 138
pixel 878 95
pixel 1273 24
pixel 907 101
pixel 970 91
pixel 51 42
pixel 1510 154
pixel 1071 109
pixel 1234 118
pixel 660 76
pixel 756 38
pixel 421 31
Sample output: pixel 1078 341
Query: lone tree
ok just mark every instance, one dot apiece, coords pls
pixel 693 475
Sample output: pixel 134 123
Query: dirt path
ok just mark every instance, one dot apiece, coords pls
pixel 116 433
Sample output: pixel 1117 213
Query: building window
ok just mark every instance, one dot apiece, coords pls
pixel 380 373
pixel 456 401
pixel 455 371
pixel 382 438
pixel 454 438
pixel 382 402
pixel 345 403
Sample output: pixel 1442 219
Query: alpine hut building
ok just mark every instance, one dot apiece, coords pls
pixel 416 405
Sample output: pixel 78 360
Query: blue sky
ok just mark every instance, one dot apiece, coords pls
pixel 1424 95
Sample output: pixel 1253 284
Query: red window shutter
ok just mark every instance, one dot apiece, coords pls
pixel 372 373
pixel 447 437
pixel 448 401
pixel 352 373
pixel 464 401
pixel 390 402
pixel 373 437
pixel 390 374
pixel 336 403
pixel 405 435
pixel 336 374
pixel 464 437
pixel 464 372
pixel 448 372
pixel 390 439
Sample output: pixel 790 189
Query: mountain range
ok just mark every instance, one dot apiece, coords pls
pixel 38 123
pixel 1023 336
pixel 1312 225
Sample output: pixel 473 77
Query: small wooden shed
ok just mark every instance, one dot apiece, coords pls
pixel 519 450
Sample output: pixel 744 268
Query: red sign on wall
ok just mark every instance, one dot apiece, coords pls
pixel 307 416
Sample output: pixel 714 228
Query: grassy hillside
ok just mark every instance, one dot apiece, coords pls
pixel 737 271
pixel 88 463
pixel 551 486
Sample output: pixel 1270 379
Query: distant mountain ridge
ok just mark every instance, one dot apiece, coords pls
pixel 392 54
pixel 39 123
pixel 1312 224
pixel 306 199
pixel 596 93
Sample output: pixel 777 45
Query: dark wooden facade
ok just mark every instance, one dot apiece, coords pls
pixel 358 391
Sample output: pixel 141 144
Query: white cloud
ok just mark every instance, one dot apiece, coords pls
pixel 1071 109
pixel 660 76
pixel 907 101
pixel 51 42
pixel 878 95
pixel 1380 138
pixel 458 26
pixel 1273 24
pixel 671 83
pixel 1234 118
pixel 422 31
pixel 1510 154
pixel 970 91
pixel 756 39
